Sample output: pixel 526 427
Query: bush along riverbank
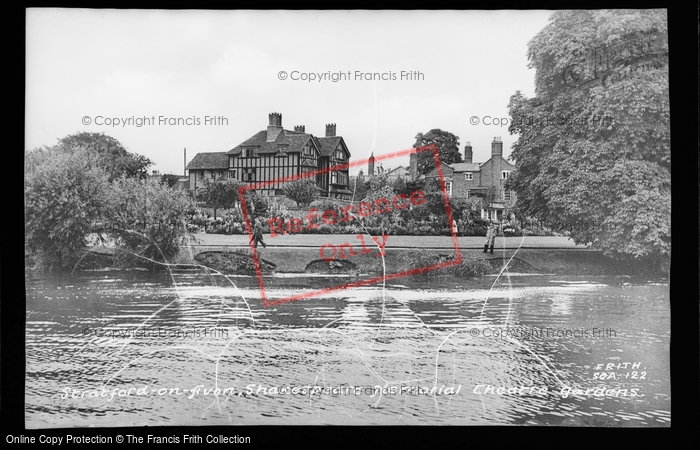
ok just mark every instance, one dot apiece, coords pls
pixel 237 262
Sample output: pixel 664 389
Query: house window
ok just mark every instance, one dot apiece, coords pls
pixel 469 193
pixel 339 178
pixel 339 155
pixel 506 194
pixel 308 151
pixel 448 186
pixel 504 174
pixel 248 174
pixel 232 173
pixel 468 176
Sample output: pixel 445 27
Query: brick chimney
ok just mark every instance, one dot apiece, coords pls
pixel 468 153
pixel 497 147
pixel 300 128
pixel 275 127
pixel 330 130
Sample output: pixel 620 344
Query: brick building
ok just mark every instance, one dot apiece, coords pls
pixel 486 180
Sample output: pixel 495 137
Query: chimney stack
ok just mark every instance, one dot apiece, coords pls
pixel 330 130
pixel 497 147
pixel 468 153
pixel 275 127
pixel 300 128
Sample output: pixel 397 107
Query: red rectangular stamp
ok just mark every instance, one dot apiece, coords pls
pixel 363 209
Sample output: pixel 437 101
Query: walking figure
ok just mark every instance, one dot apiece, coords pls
pixel 490 237
pixel 257 234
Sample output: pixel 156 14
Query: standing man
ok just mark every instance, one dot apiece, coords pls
pixel 257 234
pixel 490 237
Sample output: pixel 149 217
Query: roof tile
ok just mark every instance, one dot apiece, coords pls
pixel 217 160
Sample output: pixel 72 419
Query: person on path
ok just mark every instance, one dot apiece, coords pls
pixel 257 234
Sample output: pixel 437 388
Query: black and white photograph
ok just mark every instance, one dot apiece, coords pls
pixel 345 217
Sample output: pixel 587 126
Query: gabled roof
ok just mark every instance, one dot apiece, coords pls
pixel 291 141
pixel 208 161
pixel 399 171
pixel 465 167
pixel 329 144
pixel 447 170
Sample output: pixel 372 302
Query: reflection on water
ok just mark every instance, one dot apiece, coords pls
pixel 133 348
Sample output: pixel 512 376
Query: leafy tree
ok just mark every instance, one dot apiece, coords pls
pixel 106 153
pixel 435 203
pixel 169 179
pixel 407 186
pixel 64 196
pixel 256 204
pixel 302 191
pixel 359 185
pixel 448 149
pixel 219 194
pixel 614 173
pixel 147 217
pixel 68 192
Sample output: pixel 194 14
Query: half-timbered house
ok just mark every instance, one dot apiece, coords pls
pixel 275 154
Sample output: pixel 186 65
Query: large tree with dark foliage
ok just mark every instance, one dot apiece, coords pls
pixel 448 149
pixel 594 144
pixel 89 184
pixel 63 198
pixel 106 153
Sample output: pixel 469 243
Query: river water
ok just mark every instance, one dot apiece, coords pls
pixel 189 347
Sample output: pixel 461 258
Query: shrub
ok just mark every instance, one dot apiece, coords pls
pixel 325 229
pixel 63 197
pixel 147 217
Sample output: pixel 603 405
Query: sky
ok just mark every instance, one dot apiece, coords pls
pixel 205 81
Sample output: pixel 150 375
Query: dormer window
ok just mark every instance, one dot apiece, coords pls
pixel 245 153
pixel 339 154
pixel 504 174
